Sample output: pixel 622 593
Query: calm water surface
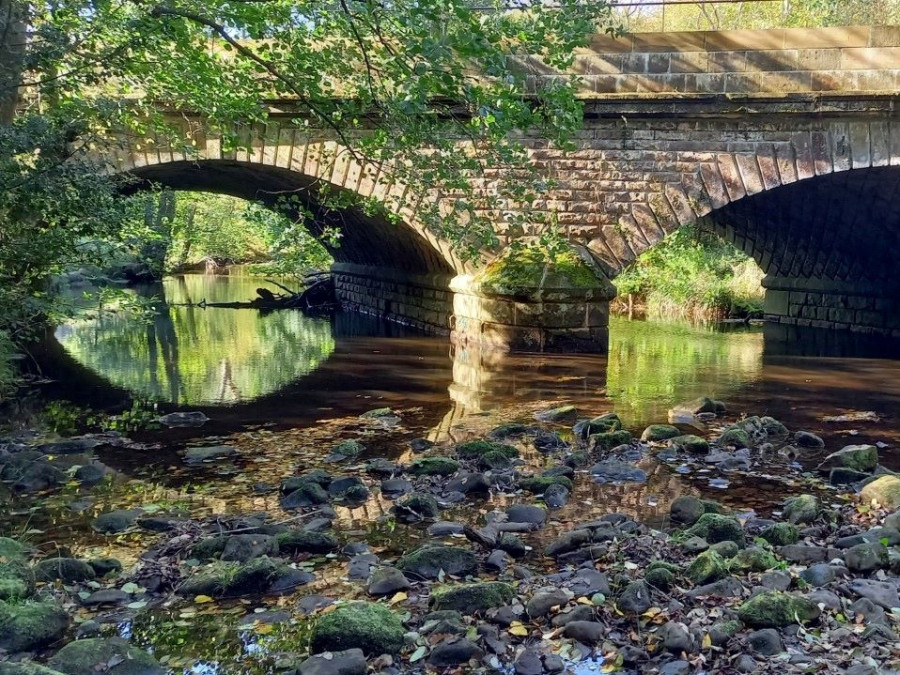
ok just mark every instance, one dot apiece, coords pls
pixel 283 388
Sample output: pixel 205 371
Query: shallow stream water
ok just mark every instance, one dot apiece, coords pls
pixel 283 388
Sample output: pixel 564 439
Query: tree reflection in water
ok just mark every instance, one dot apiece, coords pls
pixel 191 355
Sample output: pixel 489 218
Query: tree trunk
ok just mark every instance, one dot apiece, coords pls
pixel 12 55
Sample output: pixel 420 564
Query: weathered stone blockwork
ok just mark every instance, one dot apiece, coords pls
pixel 421 301
pixel 786 142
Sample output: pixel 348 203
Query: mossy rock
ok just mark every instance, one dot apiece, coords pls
pixel 306 493
pixel 30 625
pixel 727 549
pixel 349 449
pixel 802 509
pixel 774 609
pixel 477 449
pixel 884 491
pixel 368 626
pixel 715 527
pixel 94 655
pixel 609 440
pixel 752 559
pixel 707 567
pixel 16 580
pixel 600 425
pixel 209 548
pixel 690 443
pixel 781 534
pixel 416 507
pixel 539 484
pixel 563 413
pixel 495 459
pixel 735 437
pixel 26 668
pixel 660 577
pixel 525 269
pixel 511 430
pixel 433 466
pixel 862 458
pixel 256 577
pixel 293 542
pixel 577 459
pixel 659 432
pixel 11 549
pixel 686 510
pixel 774 428
pixel 469 598
pixel 428 562
pixel 377 413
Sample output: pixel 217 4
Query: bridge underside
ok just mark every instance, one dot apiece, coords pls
pixel 829 247
pixel 381 267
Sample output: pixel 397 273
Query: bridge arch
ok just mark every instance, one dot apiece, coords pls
pixel 817 210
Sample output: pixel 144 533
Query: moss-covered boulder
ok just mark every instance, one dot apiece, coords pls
pixel 429 561
pixel 563 413
pixel 752 559
pixel 257 577
pixel 715 527
pixel 781 534
pixel 114 655
pixel 689 443
pixel 477 597
pixel 368 626
pixel 433 466
pixel 735 437
pixel 659 432
pixel 495 459
pixel 477 449
pixel 16 580
pixel 416 507
pixel 10 549
pixel 609 440
pixel 774 609
pixel 707 567
pixel 884 491
pixel 774 429
pixel 863 458
pixel 660 577
pixel 538 484
pixel 802 509
pixel 29 625
pixel 293 542
pixel 599 425
pixel 348 449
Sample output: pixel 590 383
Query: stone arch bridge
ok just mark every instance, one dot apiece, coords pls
pixel 785 142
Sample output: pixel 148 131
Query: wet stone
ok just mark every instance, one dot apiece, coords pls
pixel 766 641
pixel 806 439
pixel 498 560
pixel 211 453
pixel 615 471
pixel 454 652
pixel 246 547
pixel 882 593
pixel 347 662
pixel 526 513
pixel 820 574
pixel 429 561
pixel 394 487
pixel 360 566
pixel 529 663
pixel 556 496
pixel 776 580
pixel 542 602
pixel 444 528
pixel 676 668
pixel 117 521
pixel 676 638
pixel 109 596
pixel 387 581
pixel 578 613
pixel 635 598
pixel 469 483
pixel 586 632
pixel 67 570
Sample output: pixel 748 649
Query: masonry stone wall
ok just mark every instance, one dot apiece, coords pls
pixel 786 142
pixel 423 302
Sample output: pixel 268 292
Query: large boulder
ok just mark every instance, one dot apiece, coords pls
pixel 367 626
pixel 802 509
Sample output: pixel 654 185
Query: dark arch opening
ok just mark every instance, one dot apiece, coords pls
pixel 840 229
pixel 365 240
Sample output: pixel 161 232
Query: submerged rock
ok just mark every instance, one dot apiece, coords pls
pixel 347 662
pixel 257 577
pixel 114 522
pixel 433 466
pixel 659 432
pixel 615 471
pixel 367 626
pixel 564 413
pixel 183 419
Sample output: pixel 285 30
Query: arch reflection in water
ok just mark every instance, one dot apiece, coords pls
pixel 193 356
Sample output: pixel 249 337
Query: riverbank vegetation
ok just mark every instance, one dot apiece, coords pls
pixel 693 274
